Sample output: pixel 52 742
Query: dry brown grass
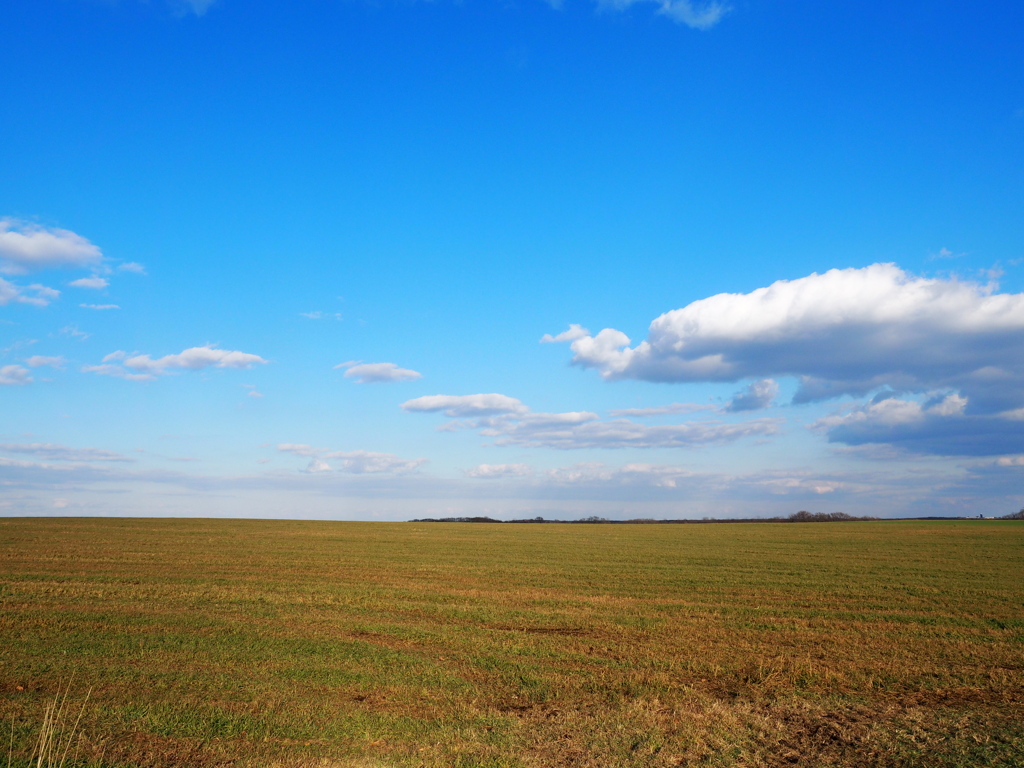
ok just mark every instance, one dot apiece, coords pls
pixel 233 643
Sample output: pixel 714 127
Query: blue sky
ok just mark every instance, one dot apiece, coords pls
pixel 221 221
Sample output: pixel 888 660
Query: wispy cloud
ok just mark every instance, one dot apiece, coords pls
pixel 701 16
pixel 93 283
pixel 498 471
pixel 99 307
pixel 510 422
pixel 196 7
pixel 55 452
pixel 14 376
pixel 36 295
pixel 74 332
pixel 662 410
pixel 38 361
pixel 353 462
pixel 132 266
pixel 137 367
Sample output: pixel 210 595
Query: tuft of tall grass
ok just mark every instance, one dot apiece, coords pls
pixel 57 733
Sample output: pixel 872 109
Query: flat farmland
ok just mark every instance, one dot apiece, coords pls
pixel 273 643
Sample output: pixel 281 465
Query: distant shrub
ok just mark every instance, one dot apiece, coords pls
pixel 1014 516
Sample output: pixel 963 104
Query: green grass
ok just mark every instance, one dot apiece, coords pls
pixel 248 643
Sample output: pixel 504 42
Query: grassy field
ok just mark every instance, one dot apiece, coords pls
pixel 209 643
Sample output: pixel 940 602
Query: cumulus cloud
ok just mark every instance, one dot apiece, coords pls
pixel 940 425
pixel 351 462
pixel 38 361
pixel 460 406
pixel 695 15
pixel 36 295
pixel 26 247
pixel 510 422
pixel 757 395
pixel 848 331
pixel 14 375
pixel 55 452
pixel 378 373
pixel 145 368
pixel 498 471
pixel 575 332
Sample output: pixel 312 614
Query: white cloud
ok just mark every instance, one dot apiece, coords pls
pixel 460 406
pixel 74 332
pixel 575 332
pixel 300 449
pixel 145 368
pixel 117 372
pixel 132 266
pixel 378 373
pixel 99 306
pixel 351 462
pixel 318 315
pixel 11 293
pixel 662 410
pixel 574 431
pixel 847 331
pixel 194 359
pixel 945 253
pixel 1010 461
pixel 54 452
pixel 26 247
pixel 940 426
pixel 695 15
pixel 315 466
pixel 510 422
pixel 756 395
pixel 497 471
pixel 93 283
pixel 37 361
pixel 14 375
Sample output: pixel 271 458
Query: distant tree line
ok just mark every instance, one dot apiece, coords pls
pixel 802 516
pixel 797 517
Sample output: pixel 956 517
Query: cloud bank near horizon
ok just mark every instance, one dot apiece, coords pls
pixel 512 423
